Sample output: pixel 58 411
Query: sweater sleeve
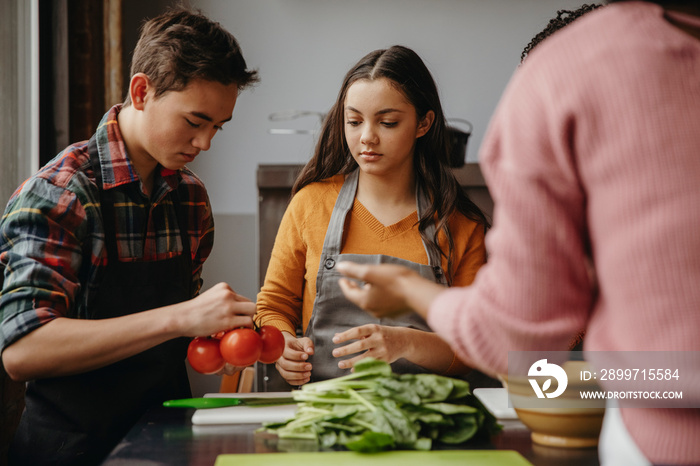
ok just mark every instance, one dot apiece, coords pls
pixel 280 299
pixel 534 292
pixel 473 257
pixel 41 234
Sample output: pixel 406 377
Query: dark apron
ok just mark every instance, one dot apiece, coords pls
pixel 333 313
pixel 79 419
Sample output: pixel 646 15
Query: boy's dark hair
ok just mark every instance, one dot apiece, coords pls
pixel 181 45
pixel 563 18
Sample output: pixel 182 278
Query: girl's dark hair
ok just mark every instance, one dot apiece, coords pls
pixel 182 45
pixel 405 69
pixel 563 18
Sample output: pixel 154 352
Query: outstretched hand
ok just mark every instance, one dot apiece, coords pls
pixel 388 290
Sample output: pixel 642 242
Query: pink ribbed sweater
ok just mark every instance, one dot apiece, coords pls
pixel 594 152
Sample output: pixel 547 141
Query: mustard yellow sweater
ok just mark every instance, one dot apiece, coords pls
pixel 287 296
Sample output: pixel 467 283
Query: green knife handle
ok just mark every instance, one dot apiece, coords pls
pixel 200 403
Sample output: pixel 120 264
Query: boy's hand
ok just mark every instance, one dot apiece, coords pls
pixel 219 308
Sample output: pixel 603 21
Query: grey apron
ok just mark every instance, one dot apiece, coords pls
pixel 333 313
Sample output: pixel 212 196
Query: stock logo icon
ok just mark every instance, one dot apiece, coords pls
pixel 542 368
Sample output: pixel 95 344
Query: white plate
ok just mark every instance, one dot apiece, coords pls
pixel 496 401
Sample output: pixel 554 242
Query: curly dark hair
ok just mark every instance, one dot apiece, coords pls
pixel 563 18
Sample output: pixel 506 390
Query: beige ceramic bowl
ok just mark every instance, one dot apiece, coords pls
pixel 564 421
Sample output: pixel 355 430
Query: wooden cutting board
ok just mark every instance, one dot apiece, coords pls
pixel 390 458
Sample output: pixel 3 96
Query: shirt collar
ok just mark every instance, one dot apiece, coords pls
pixel 117 169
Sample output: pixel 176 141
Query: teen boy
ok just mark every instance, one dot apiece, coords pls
pixel 103 249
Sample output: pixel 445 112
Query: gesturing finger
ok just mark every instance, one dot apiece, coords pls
pixel 354 292
pixel 353 270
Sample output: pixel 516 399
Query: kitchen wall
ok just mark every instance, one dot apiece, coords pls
pixel 19 57
pixel 303 48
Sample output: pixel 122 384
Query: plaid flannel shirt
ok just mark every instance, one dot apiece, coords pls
pixel 52 241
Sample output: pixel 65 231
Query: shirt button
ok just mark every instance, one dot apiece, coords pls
pixel 330 263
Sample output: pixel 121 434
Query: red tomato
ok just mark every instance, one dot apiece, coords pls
pixel 241 347
pixel 204 355
pixel 272 344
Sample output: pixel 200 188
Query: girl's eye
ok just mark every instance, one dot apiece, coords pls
pixel 353 123
pixel 390 124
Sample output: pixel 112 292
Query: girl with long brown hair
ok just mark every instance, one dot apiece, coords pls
pixel 379 188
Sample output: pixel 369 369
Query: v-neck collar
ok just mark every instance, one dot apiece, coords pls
pixel 381 230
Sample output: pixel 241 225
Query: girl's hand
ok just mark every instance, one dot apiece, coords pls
pixel 378 341
pixel 293 365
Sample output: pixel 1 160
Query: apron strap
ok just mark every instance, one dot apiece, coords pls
pixel 343 205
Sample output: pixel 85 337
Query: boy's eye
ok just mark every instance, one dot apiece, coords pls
pixel 192 124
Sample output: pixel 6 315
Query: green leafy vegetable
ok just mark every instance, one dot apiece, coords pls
pixel 374 409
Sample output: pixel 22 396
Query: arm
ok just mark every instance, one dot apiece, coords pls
pixel 280 300
pixel 66 346
pixel 388 290
pixel 43 266
pixel 535 292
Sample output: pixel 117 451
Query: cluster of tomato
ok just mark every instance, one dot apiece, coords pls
pixel 240 347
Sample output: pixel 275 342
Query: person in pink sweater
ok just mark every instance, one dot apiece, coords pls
pixel 593 161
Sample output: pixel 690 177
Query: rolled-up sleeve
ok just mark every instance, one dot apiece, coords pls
pixel 41 254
